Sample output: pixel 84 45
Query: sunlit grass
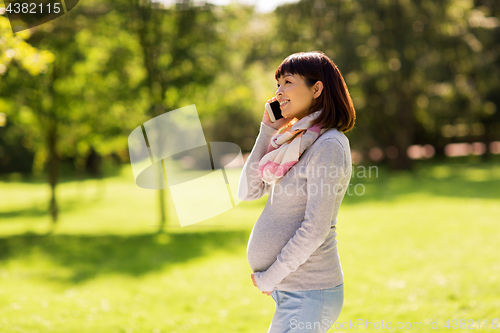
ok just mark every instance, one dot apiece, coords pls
pixel 414 247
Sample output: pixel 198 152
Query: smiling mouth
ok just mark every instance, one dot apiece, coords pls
pixel 284 103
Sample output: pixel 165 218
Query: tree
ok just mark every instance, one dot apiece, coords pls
pixel 57 109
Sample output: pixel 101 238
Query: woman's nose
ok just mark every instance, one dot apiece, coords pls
pixel 279 92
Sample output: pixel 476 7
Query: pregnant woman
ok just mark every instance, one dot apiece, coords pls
pixel 304 161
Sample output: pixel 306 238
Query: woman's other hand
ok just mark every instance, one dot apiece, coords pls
pixel 277 124
pixel 255 284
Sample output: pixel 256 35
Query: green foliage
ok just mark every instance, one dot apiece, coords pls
pixel 15 48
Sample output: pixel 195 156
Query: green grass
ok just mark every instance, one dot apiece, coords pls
pixel 415 247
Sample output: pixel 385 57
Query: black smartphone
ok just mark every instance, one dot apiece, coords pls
pixel 274 111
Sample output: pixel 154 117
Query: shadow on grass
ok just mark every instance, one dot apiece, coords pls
pixel 88 256
pixel 41 209
pixel 26 212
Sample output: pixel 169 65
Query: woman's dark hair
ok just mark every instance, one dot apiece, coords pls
pixel 338 109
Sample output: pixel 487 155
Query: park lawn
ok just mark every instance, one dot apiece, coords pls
pixel 415 247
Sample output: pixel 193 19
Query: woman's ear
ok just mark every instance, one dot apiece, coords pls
pixel 317 88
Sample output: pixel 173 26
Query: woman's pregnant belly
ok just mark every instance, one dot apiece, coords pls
pixel 268 237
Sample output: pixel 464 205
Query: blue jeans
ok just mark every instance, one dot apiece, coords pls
pixel 311 311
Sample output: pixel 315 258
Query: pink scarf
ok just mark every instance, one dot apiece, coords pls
pixel 286 148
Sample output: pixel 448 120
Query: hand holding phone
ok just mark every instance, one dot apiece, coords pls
pixel 274 111
pixel 272 115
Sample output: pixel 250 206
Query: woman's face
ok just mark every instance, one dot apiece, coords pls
pixel 294 95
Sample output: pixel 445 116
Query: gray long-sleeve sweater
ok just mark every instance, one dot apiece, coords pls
pixel 292 245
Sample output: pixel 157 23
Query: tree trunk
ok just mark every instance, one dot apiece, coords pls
pixel 147 26
pixel 404 131
pixel 52 137
pixel 53 171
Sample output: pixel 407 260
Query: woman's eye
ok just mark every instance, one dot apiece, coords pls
pixel 286 81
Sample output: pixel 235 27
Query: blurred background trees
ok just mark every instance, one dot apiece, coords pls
pixel 71 90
